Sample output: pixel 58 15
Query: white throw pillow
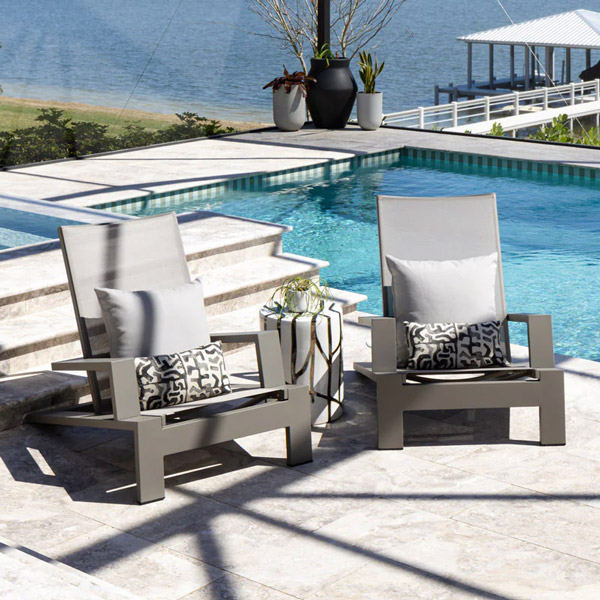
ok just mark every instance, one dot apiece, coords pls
pixel 442 291
pixel 154 322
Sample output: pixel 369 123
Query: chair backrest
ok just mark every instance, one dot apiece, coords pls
pixel 444 228
pixel 131 255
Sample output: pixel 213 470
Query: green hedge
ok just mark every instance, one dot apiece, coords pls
pixel 58 137
pixel 558 131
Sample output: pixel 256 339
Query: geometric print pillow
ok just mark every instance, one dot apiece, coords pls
pixel 454 345
pixel 182 377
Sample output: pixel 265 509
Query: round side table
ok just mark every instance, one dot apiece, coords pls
pixel 311 346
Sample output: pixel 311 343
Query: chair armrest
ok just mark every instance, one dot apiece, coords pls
pixel 539 336
pixel 123 382
pixel 87 364
pixel 268 353
pixel 383 344
pixel 366 320
pixel 231 337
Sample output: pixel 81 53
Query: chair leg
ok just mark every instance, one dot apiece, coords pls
pixel 390 416
pixel 298 434
pixel 552 410
pixel 149 461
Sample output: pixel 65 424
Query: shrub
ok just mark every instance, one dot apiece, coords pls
pixel 134 136
pixel 557 131
pixel 591 137
pixel 497 130
pixel 191 126
pixel 59 137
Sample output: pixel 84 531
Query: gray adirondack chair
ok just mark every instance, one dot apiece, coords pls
pixel 145 254
pixel 446 229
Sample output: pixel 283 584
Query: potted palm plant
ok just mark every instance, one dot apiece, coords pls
pixel 370 102
pixel 289 99
pixel 332 94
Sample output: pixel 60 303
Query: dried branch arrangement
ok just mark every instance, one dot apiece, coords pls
pixel 354 23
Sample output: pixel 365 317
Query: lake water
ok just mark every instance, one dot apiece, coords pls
pixel 210 61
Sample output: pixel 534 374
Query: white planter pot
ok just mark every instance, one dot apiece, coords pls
pixel 289 110
pixel 299 302
pixel 370 110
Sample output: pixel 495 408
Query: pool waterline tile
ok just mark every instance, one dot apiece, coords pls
pixel 254 182
pixel 459 161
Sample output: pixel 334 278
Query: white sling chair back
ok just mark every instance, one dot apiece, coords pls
pixel 140 254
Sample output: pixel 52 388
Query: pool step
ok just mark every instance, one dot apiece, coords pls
pixel 42 388
pixel 47 335
pixel 252 283
pixel 33 282
pixel 239 260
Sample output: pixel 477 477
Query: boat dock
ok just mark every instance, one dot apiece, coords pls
pixel 571 35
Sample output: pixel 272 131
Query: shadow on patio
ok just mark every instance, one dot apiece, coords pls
pixel 294 530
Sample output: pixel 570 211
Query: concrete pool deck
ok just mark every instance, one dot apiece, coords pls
pixel 464 511
pixel 134 173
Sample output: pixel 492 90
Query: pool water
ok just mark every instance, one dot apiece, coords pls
pixel 549 230
pixel 21 228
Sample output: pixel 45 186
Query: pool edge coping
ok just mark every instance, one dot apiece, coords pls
pixel 261 180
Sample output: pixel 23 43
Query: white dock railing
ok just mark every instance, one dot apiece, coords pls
pixel 489 108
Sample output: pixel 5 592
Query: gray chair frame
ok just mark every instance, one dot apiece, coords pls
pixel 415 228
pixel 145 254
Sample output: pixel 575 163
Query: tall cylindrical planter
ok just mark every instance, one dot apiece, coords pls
pixel 331 97
pixel 289 110
pixel 370 110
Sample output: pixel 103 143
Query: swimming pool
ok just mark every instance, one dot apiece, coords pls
pixel 549 229
pixel 21 228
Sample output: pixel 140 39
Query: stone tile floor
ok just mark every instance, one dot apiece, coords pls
pixel 463 512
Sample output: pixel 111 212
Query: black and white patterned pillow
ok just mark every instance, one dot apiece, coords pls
pixel 182 377
pixel 454 345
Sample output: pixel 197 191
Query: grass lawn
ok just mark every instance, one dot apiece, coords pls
pixel 17 113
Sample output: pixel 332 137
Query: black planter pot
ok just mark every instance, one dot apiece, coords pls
pixel 331 98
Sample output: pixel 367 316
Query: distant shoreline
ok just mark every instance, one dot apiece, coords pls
pixel 130 114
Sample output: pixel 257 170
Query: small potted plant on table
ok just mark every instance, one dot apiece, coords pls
pixel 289 99
pixel 300 295
pixel 370 102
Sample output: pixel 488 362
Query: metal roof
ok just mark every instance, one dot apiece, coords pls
pixel 574 29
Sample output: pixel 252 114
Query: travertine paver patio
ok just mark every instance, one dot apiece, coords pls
pixel 462 512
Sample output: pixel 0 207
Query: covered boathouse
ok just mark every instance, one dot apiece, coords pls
pixel 572 34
